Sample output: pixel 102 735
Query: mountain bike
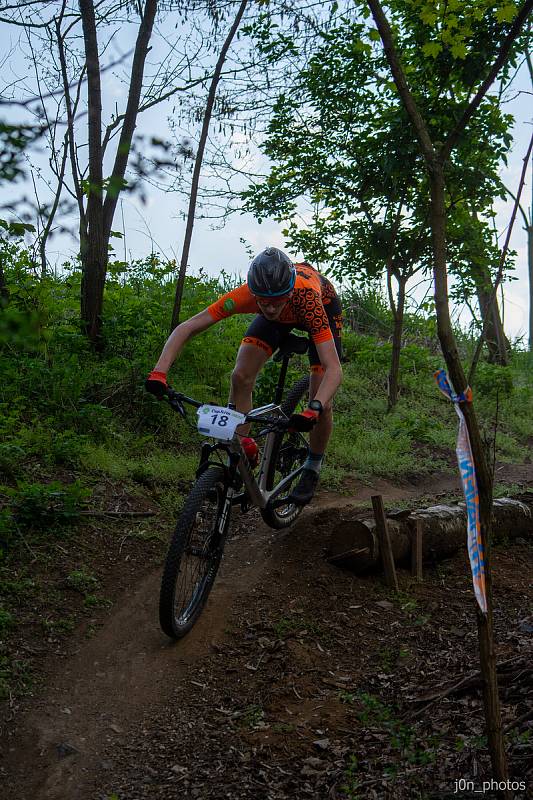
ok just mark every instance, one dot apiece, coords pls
pixel 225 479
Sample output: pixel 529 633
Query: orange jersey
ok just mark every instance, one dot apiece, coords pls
pixel 304 308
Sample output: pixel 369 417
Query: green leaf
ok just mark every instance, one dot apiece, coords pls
pixel 374 35
pixel 432 49
pixel 428 16
pixel 459 50
pixel 506 13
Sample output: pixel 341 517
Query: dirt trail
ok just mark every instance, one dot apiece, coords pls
pixel 100 696
pixel 111 680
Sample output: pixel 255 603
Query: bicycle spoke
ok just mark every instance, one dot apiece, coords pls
pixel 197 559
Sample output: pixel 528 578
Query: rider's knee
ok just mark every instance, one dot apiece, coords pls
pixel 243 378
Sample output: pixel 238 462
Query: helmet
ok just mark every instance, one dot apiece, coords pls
pixel 271 273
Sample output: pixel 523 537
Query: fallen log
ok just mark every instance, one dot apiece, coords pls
pixel 354 543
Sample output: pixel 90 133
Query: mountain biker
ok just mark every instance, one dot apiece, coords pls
pixel 283 296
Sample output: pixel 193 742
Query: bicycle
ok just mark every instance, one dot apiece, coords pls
pixel 224 479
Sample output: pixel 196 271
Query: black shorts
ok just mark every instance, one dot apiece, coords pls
pixel 270 334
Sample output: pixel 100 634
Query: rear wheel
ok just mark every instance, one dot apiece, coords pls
pixel 289 452
pixel 194 554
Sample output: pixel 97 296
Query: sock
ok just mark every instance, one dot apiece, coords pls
pixel 314 461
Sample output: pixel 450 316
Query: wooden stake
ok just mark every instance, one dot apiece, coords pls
pixel 382 532
pixel 416 550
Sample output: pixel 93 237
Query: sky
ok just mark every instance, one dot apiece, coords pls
pixel 214 250
pixel 158 224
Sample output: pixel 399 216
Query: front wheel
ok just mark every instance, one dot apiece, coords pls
pixel 194 554
pixel 288 453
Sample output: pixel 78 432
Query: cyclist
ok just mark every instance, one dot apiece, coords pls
pixel 283 296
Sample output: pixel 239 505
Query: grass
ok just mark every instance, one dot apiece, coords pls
pixel 77 427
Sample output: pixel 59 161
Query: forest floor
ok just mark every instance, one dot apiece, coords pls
pixel 300 680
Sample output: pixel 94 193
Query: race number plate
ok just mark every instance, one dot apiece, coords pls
pixel 219 422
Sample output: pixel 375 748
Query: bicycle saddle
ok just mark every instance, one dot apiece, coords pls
pixel 293 345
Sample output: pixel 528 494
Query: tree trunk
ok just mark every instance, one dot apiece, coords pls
pixel 483 474
pixel 50 221
pixel 529 223
pixel 4 291
pixel 116 180
pixel 354 543
pixel 198 166
pixel 496 340
pixel 530 268
pixel 94 255
pixel 398 312
pixel 94 240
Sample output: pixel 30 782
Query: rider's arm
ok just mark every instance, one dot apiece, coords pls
pixel 180 335
pixel 332 378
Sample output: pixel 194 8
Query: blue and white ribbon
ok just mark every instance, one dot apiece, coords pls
pixel 468 478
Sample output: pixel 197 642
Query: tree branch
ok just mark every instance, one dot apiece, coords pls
pixel 400 80
pixel 130 116
pixel 500 60
pixel 501 264
pixel 70 125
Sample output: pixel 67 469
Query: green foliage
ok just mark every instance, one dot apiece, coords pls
pixel 70 417
pixel 494 381
pixel 6 621
pixel 82 581
pixel 43 506
pixel 344 152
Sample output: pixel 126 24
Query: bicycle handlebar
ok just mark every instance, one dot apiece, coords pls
pixel 177 399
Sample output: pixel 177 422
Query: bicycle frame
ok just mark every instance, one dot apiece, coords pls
pixel 256 490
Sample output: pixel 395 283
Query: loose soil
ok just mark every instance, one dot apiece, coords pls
pixel 299 681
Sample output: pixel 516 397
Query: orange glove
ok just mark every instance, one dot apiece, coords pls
pixel 303 422
pixel 156 384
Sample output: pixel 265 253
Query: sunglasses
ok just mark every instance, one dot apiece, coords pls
pixel 271 301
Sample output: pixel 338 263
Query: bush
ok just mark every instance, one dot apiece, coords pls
pixel 40 506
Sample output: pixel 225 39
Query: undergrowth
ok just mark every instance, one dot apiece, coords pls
pixel 73 421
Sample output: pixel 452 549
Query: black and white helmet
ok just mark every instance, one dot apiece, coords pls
pixel 271 273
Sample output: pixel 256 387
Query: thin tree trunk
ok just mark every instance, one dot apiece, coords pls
pixel 100 213
pixel 198 165
pixel 483 474
pixel 94 255
pixel 4 291
pixel 530 264
pixel 529 223
pixel 503 255
pixel 435 167
pixel 130 117
pixel 497 342
pixel 528 227
pixel 398 311
pixel 55 204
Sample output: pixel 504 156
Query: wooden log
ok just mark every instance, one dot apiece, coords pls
pixel 382 532
pixel 354 542
pixel 417 539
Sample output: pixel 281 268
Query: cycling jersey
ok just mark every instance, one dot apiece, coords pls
pixel 305 308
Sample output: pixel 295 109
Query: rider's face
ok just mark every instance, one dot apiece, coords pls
pixel 271 307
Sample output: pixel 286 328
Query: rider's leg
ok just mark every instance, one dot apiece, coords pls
pixel 259 342
pixel 250 360
pixel 320 435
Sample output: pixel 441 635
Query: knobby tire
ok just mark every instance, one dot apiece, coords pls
pixel 198 541
pixel 284 516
